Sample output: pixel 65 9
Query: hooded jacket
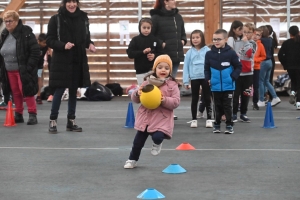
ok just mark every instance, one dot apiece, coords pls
pixel 222 67
pixel 168 27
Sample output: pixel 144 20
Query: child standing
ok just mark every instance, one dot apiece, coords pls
pixel 239 40
pixel 193 70
pixel 143 49
pixel 222 68
pixel 158 122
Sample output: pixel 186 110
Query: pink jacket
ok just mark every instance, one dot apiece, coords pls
pixel 161 118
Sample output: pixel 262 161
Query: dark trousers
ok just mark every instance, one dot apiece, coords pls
pixel 222 105
pixel 139 142
pixel 243 87
pixel 195 86
pixel 294 75
pixel 255 85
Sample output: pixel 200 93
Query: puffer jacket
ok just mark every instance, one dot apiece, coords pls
pixel 28 54
pixel 161 118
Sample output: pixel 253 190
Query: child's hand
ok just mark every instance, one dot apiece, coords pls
pixel 162 97
pixel 147 50
pixel 92 48
pixel 139 92
pixel 208 82
pixel 150 56
pixel 187 87
pixel 245 39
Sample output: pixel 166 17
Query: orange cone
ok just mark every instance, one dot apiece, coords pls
pixel 10 119
pixel 185 147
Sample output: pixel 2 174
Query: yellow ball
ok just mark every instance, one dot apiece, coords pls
pixel 150 96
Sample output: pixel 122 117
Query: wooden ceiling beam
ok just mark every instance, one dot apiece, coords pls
pixel 13 5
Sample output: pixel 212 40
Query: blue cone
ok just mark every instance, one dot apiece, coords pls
pixel 151 193
pixel 174 169
pixel 130 117
pixel 269 120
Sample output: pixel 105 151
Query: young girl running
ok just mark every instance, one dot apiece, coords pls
pixel 193 71
pixel 159 122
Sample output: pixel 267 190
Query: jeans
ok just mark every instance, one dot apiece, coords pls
pixel 139 142
pixel 264 79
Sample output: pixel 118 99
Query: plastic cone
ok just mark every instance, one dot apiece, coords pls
pixel 130 117
pixel 185 147
pixel 269 121
pixel 10 119
pixel 174 169
pixel 151 193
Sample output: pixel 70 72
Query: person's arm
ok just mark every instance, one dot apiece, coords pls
pixel 207 71
pixel 281 55
pixel 89 43
pixel 173 101
pixel 261 54
pixel 132 50
pixel 34 51
pixel 230 42
pixel 237 66
pixel 186 73
pixel 183 34
pixel 52 40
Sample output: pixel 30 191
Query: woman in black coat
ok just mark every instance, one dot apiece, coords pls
pixel 19 57
pixel 69 65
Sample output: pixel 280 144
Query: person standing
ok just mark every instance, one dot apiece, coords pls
pixel 69 67
pixel 19 64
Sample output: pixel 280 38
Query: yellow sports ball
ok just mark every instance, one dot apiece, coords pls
pixel 150 96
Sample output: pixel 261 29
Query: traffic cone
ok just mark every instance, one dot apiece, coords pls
pixel 185 147
pixel 269 121
pixel 174 169
pixel 151 193
pixel 130 117
pixel 10 119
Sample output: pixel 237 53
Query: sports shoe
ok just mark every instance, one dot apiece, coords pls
pixel 275 101
pixel 234 118
pixel 209 123
pixel 175 117
pixel 3 104
pixel 130 164
pixel 255 106
pixel 38 100
pixel 194 124
pixel 292 98
pixel 52 127
pixel 244 118
pixel 261 104
pixel 50 98
pixel 229 130
pixel 216 128
pixel 200 115
pixel 156 148
pixel 298 105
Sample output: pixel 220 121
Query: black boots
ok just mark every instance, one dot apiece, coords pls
pixel 19 118
pixel 32 120
pixel 52 127
pixel 71 126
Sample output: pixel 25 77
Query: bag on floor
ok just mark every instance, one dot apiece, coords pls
pixel 98 92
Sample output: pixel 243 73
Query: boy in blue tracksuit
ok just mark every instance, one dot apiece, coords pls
pixel 222 68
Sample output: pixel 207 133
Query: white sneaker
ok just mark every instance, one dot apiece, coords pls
pixel 200 115
pixel 130 164
pixel 292 98
pixel 275 101
pixel 194 124
pixel 261 104
pixel 298 105
pixel 156 148
pixel 209 123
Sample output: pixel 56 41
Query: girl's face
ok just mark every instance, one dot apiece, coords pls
pixel 163 70
pixel 257 35
pixel 71 6
pixel 247 32
pixel 238 31
pixel 196 39
pixel 170 4
pixel 145 28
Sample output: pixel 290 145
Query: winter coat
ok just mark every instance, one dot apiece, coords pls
pixel 28 54
pixel 168 26
pixel 193 67
pixel 62 62
pixel 260 55
pixel 161 118
pixel 222 67
pixel 289 54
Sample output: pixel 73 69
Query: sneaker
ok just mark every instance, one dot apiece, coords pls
pixel 244 118
pixel 175 117
pixel 209 123
pixel 50 98
pixel 292 99
pixel 234 118
pixel 3 104
pixel 298 105
pixel 255 106
pixel 217 128
pixel 229 130
pixel 52 127
pixel 194 124
pixel 200 115
pixel 261 104
pixel 38 100
pixel 156 148
pixel 275 101
pixel 130 164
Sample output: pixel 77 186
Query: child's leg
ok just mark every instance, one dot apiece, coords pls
pixel 245 96
pixel 217 98
pixel 227 101
pixel 206 96
pixel 255 86
pixel 158 137
pixel 236 95
pixel 138 144
pixel 195 86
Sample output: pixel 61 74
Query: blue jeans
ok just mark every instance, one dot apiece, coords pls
pixel 264 80
pixel 175 69
pixel 139 142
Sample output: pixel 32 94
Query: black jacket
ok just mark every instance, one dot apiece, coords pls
pixel 289 54
pixel 28 53
pixel 168 26
pixel 135 50
pixel 62 62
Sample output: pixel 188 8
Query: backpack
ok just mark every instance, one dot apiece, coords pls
pixel 98 92
pixel 116 88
